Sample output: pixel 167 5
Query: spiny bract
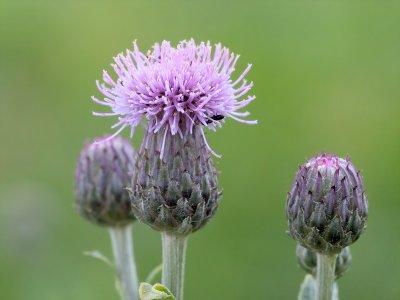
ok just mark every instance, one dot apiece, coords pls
pixel 179 192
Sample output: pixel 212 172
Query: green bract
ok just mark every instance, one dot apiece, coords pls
pixel 175 187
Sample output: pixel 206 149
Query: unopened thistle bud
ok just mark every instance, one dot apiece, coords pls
pixel 175 187
pixel 327 206
pixel 102 174
pixel 308 260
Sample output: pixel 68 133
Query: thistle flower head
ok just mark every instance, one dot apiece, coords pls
pixel 327 206
pixel 175 88
pixel 102 174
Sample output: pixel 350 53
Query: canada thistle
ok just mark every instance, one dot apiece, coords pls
pixel 179 91
pixel 175 88
pixel 327 211
pixel 102 174
pixel 327 206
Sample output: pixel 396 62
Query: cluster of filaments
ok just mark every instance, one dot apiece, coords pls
pixel 175 89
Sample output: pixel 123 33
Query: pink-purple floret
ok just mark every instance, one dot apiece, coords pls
pixel 175 88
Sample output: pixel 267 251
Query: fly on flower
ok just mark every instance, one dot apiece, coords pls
pixel 175 88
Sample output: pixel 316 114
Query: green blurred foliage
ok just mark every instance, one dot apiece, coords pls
pixel 327 79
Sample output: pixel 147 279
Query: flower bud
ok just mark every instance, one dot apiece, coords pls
pixel 327 206
pixel 308 260
pixel 175 188
pixel 102 174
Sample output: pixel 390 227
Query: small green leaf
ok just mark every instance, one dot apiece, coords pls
pixel 154 292
pixel 118 287
pixel 153 273
pixel 98 255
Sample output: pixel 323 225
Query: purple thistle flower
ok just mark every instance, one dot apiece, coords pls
pixel 175 89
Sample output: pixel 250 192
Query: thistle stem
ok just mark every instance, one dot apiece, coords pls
pixel 173 255
pixel 122 246
pixel 325 276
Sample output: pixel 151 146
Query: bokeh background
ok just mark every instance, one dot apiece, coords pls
pixel 327 79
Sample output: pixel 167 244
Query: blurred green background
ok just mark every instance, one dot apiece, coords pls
pixel 327 79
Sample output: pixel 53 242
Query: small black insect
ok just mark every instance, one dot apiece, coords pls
pixel 215 118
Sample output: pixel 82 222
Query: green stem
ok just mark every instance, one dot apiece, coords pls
pixel 122 246
pixel 325 276
pixel 173 255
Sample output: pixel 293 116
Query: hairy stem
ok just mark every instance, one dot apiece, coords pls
pixel 173 255
pixel 122 246
pixel 325 276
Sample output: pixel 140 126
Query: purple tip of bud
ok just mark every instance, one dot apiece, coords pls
pixel 175 88
pixel 328 194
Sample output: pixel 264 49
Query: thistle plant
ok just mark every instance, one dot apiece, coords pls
pixel 172 183
pixel 327 212
pixel 179 91
pixel 103 171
